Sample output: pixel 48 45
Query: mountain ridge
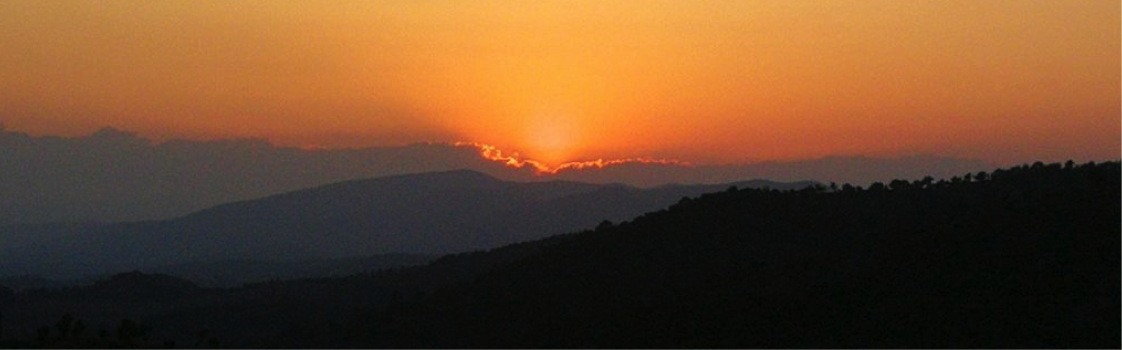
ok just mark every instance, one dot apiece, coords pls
pixel 117 176
pixel 426 213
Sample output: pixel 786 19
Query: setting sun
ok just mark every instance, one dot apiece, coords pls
pixel 552 138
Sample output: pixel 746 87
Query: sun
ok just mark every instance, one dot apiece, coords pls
pixel 552 139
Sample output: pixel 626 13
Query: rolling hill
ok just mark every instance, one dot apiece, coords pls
pixel 425 214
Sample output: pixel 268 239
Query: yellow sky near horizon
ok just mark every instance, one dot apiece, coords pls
pixel 703 81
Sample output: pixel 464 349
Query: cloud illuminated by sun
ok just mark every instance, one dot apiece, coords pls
pixel 515 160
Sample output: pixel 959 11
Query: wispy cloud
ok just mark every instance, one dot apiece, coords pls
pixel 515 160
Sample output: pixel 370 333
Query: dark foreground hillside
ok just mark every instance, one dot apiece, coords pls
pixel 1027 257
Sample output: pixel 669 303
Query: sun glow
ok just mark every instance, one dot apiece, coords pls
pixel 552 138
pixel 721 81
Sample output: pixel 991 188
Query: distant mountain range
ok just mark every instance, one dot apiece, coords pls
pixel 424 214
pixel 115 176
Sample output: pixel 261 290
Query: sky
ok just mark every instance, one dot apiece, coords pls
pixel 702 81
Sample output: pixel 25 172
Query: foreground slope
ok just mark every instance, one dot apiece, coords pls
pixel 1027 259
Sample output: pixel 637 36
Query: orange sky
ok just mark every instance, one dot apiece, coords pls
pixel 702 81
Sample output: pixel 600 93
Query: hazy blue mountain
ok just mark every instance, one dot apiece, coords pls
pixel 428 213
pixel 114 175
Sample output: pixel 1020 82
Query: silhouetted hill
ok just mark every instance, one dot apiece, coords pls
pixel 233 273
pixel 840 169
pixel 114 175
pixel 427 214
pixel 1025 257
pixel 108 327
pixel 31 282
pixel 137 285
